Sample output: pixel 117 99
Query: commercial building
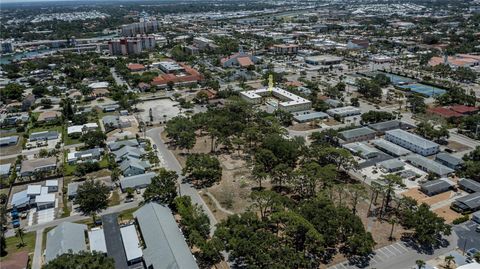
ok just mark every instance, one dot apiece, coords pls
pixel 357 134
pixel 169 67
pixel 182 75
pixel 390 148
pixel 323 60
pixel 239 59
pixel 285 49
pixel 362 149
pixel 392 165
pixel 289 101
pixel 345 111
pixel 412 142
pixel 7 46
pixel 437 186
pixel 8 141
pixel 165 246
pixel 64 238
pixel 428 165
pixel 449 160
pixel 382 127
pixel 308 116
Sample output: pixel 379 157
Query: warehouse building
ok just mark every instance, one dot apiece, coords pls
pixel 345 111
pixel 412 142
pixel 309 116
pixel 437 186
pixel 289 102
pixel 467 204
pixel 357 134
pixel 428 165
pixel 390 148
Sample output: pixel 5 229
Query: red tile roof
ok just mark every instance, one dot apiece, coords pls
pixel 136 67
pixel 191 75
pixel 464 109
pixel 244 61
pixel 444 112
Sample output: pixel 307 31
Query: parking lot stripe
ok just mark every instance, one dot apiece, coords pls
pixel 393 253
pixel 375 261
pixel 381 252
pixel 402 246
pixel 399 251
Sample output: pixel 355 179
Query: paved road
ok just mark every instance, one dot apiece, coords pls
pixel 35 151
pixel 172 163
pixel 399 255
pixel 37 227
pixel 37 255
pixel 118 79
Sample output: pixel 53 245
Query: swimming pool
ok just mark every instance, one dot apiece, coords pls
pixel 424 89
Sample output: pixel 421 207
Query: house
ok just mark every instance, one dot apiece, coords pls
pixel 164 244
pixel 80 129
pixel 113 146
pixel 434 187
pixel 136 67
pixel 357 134
pixel 20 200
pixel 96 239
pixel 110 108
pixel 34 190
pixel 30 167
pixel 428 165
pixel 72 189
pixel 64 238
pixel 49 116
pixel 137 182
pixel 449 160
pixel 114 122
pixel 285 49
pixel 467 204
pixel 469 185
pixel 128 152
pixel 412 142
pixel 307 116
pixel 131 244
pixel 91 155
pixel 239 59
pixel 391 166
pixel 98 85
pixel 44 200
pixel 5 170
pixel 132 167
pixel 43 136
pixel 8 141
pixel 52 185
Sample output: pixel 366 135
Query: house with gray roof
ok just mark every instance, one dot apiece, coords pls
pixel 113 122
pixel 43 136
pixel 137 181
pixel 165 245
pixel 128 152
pixel 132 167
pixel 8 141
pixel 92 155
pixel 72 188
pixel 434 187
pixel 357 134
pixel 392 165
pixel 5 170
pixel 30 167
pixel 467 204
pixel 390 148
pixel 449 160
pixel 412 142
pixel 20 200
pixel 113 146
pixel 428 165
pixel 469 185
pixel 64 238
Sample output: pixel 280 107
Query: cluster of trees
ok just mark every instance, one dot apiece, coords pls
pixel 464 74
pixel 82 259
pixel 417 103
pixel 12 91
pixel 373 116
pixel 472 164
pixel 470 124
pixel 456 96
pixel 202 169
pixel 431 132
pixel 370 89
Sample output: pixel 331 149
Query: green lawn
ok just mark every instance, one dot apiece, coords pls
pixel 114 199
pixel 127 214
pixel 69 140
pixel 12 242
pixel 66 209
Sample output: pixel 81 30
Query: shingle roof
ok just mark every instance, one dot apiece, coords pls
pixel 137 180
pixel 471 200
pixel 118 144
pixel 165 245
pixel 436 185
pixel 66 236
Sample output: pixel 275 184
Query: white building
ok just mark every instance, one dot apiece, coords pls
pixel 345 111
pixel 412 142
pixel 289 101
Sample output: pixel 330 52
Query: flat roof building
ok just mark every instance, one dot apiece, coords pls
pixel 357 134
pixel 165 245
pixel 131 244
pixel 412 142
pixel 382 127
pixel 96 238
pixel 449 160
pixel 323 60
pixel 392 165
pixel 289 102
pixel 8 141
pixel 428 165
pixel 309 116
pixel 345 111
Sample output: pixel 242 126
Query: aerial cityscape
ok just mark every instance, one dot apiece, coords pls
pixel 216 134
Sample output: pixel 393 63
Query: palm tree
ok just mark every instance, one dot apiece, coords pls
pixel 20 232
pixel 448 261
pixel 420 264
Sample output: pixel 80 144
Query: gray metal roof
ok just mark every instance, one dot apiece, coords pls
pixel 448 158
pixel 165 245
pixel 5 169
pixel 437 185
pixel 429 165
pixel 362 149
pixel 471 200
pixel 66 236
pixel 137 180
pixel 45 135
pixel 391 164
pixel 118 144
pixel 390 147
pixel 412 138
pixel 349 134
pixel 310 116
pixel 469 184
pixel 9 140
pixel 389 125
pixel 72 188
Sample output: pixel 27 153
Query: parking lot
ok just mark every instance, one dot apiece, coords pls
pixel 380 255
